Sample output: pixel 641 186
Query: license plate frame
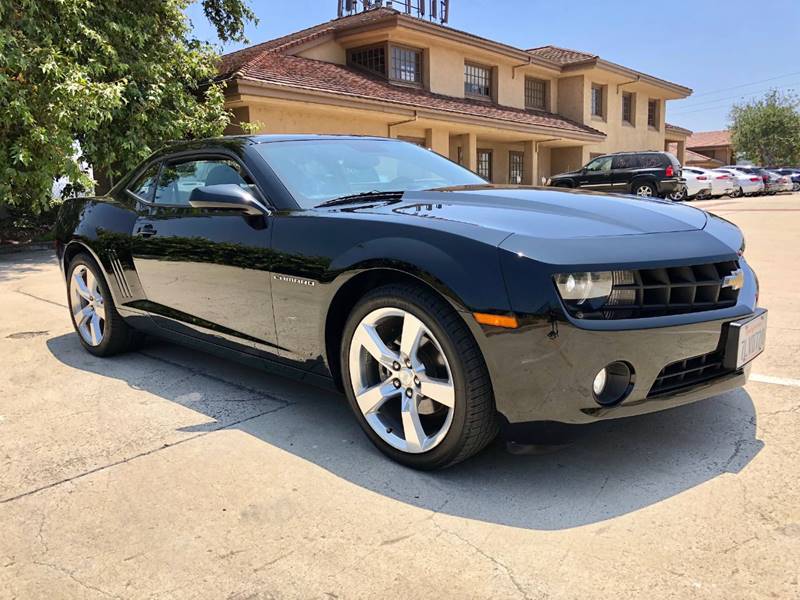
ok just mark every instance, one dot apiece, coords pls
pixel 746 340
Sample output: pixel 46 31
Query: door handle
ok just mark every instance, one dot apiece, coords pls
pixel 146 230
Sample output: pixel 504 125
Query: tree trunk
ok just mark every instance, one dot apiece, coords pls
pixel 103 182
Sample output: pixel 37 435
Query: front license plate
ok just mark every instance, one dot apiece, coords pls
pixel 746 340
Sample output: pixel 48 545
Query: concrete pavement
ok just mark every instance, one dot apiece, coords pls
pixel 171 474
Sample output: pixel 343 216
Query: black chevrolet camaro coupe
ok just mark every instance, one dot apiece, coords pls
pixel 447 309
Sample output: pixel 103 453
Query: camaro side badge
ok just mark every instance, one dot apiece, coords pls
pixel 735 280
pixel 299 280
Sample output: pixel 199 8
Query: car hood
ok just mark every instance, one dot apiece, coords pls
pixel 543 212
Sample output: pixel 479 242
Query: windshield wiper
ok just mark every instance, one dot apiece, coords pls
pixel 362 197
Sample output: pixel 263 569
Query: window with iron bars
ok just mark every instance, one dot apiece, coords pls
pixel 372 59
pixel 535 93
pixel 485 164
pixel 597 101
pixel 627 108
pixel 477 81
pixel 652 113
pixel 516 168
pixel 406 65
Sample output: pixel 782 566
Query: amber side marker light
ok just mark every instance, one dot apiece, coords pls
pixel 496 320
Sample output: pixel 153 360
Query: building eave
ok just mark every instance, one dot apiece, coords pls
pixel 285 91
pixel 679 90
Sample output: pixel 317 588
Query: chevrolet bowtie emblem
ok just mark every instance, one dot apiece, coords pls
pixel 734 281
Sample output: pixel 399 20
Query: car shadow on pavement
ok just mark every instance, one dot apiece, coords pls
pixel 614 468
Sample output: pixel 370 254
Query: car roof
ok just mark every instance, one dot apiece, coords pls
pixel 636 152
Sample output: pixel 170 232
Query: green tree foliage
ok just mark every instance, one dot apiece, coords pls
pixel 120 77
pixel 768 130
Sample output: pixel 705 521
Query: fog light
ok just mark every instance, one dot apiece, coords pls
pixel 599 382
pixel 613 383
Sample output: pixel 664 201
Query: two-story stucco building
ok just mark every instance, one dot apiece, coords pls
pixel 512 115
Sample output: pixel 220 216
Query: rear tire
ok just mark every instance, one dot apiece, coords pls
pixel 644 189
pixel 418 334
pixel 737 193
pixel 100 328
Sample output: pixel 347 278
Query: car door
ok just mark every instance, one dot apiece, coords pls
pixel 205 272
pixel 623 169
pixel 596 175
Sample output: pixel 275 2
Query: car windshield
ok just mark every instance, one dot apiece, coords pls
pixel 320 170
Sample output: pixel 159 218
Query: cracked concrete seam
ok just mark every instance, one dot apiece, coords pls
pixel 71 575
pixel 498 563
pixel 142 454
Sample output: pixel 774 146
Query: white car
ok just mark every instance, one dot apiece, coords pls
pixel 745 184
pixel 695 186
pixel 722 184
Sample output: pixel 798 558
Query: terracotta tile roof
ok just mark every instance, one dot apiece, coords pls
pixel 271 62
pixel 230 63
pixel 678 129
pixel 561 56
pixel 314 75
pixel 705 139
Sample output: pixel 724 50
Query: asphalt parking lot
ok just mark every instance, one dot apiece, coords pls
pixel 170 474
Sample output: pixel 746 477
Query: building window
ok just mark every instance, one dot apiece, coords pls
pixel 477 81
pixel 535 93
pixel 516 166
pixel 406 65
pixel 597 101
pixel 627 108
pixel 485 164
pixel 652 114
pixel 371 59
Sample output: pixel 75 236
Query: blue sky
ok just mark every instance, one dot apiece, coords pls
pixel 725 51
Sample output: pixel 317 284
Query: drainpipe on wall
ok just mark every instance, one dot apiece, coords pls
pixel 519 66
pixel 619 85
pixel 390 125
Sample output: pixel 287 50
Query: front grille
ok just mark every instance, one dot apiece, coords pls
pixel 667 291
pixel 686 373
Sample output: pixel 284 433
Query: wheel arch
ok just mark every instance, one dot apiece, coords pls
pixel 75 247
pixel 355 288
pixel 639 179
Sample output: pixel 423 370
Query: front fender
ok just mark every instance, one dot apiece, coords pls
pixel 470 282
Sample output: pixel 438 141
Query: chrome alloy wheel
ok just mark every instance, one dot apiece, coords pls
pixel 401 380
pixel 87 305
pixel 678 194
pixel 644 190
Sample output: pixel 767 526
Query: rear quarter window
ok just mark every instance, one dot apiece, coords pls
pixel 653 161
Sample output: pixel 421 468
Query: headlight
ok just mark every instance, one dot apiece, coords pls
pixel 588 289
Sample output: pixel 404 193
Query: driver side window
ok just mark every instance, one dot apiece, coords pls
pixel 179 178
pixel 599 164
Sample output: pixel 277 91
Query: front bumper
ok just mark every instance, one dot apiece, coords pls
pixel 543 371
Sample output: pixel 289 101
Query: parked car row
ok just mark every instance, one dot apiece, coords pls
pixel 660 174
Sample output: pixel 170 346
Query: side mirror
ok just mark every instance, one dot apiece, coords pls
pixel 226 196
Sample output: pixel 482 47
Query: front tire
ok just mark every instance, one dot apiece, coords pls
pixel 416 379
pixel 678 195
pixel 100 328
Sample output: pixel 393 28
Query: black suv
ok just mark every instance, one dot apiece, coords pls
pixel 639 173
